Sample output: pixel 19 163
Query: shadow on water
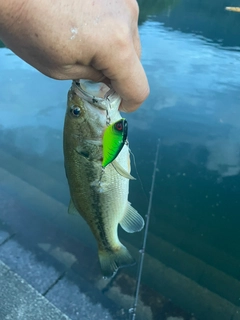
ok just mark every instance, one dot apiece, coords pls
pixel 191 55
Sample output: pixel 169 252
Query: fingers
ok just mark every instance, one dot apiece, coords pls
pixel 121 65
pixel 120 61
pixel 108 49
pixel 135 33
pixel 75 72
pixel 136 42
pixel 131 84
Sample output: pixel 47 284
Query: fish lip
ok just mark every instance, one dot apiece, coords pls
pixel 102 103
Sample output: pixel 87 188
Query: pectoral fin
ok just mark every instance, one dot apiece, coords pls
pixel 132 220
pixel 72 209
pixel 121 171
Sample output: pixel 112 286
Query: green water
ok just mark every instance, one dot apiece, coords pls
pixel 191 53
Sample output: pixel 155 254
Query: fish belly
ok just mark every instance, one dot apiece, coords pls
pixel 101 197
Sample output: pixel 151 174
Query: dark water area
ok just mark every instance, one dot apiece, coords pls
pixel 191 53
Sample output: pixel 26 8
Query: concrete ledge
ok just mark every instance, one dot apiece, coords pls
pixel 185 292
pixel 18 300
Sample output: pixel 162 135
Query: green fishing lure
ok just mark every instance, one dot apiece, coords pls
pixel 114 138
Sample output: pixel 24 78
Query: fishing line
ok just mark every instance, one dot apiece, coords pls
pixel 133 310
pixel 138 176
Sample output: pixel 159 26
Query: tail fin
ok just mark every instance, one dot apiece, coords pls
pixel 111 261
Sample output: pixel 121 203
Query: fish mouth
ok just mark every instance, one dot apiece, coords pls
pixel 102 96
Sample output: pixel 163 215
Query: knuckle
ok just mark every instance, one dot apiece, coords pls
pixel 122 36
pixel 58 73
pixel 51 73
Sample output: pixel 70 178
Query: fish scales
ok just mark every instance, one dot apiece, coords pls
pixel 99 195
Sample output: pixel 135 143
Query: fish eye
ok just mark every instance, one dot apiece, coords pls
pixel 76 111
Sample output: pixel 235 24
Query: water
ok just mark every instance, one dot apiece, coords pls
pixel 191 53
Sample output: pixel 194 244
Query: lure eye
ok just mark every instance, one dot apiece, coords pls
pixel 119 126
pixel 76 111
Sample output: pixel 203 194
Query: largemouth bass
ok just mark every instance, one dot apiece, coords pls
pixel 99 194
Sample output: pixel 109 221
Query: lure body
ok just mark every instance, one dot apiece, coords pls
pixel 114 139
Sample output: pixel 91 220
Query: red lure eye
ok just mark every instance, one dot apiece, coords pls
pixel 119 126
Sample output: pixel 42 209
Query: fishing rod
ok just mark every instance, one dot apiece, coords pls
pixel 133 310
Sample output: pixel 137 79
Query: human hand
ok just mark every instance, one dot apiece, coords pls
pixel 96 40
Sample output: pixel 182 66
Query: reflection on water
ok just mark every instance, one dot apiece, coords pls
pixel 191 52
pixel 200 85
